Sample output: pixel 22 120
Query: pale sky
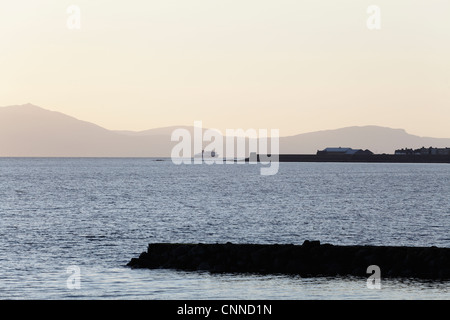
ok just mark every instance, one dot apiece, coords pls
pixel 296 66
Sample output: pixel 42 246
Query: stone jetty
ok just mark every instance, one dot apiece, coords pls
pixel 307 260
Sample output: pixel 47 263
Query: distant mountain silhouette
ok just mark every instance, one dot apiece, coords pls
pixel 30 131
pixel 165 131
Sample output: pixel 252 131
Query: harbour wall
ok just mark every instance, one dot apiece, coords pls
pixel 307 260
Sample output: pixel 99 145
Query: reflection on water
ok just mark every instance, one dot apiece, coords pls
pixel 125 283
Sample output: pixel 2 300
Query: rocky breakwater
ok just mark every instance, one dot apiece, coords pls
pixel 309 259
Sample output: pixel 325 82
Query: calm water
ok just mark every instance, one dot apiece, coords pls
pixel 97 214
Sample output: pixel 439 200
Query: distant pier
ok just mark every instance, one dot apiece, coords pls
pixel 387 158
pixel 307 260
pixel 422 155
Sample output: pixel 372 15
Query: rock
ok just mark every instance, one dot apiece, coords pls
pixel 309 259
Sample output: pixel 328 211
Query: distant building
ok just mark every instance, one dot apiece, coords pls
pixel 443 151
pixel 343 151
pixel 424 151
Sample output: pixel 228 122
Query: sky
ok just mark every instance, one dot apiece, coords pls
pixel 293 65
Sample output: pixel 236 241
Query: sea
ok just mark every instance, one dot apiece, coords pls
pixel 69 226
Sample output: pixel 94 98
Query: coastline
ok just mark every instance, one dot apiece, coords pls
pixel 373 158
